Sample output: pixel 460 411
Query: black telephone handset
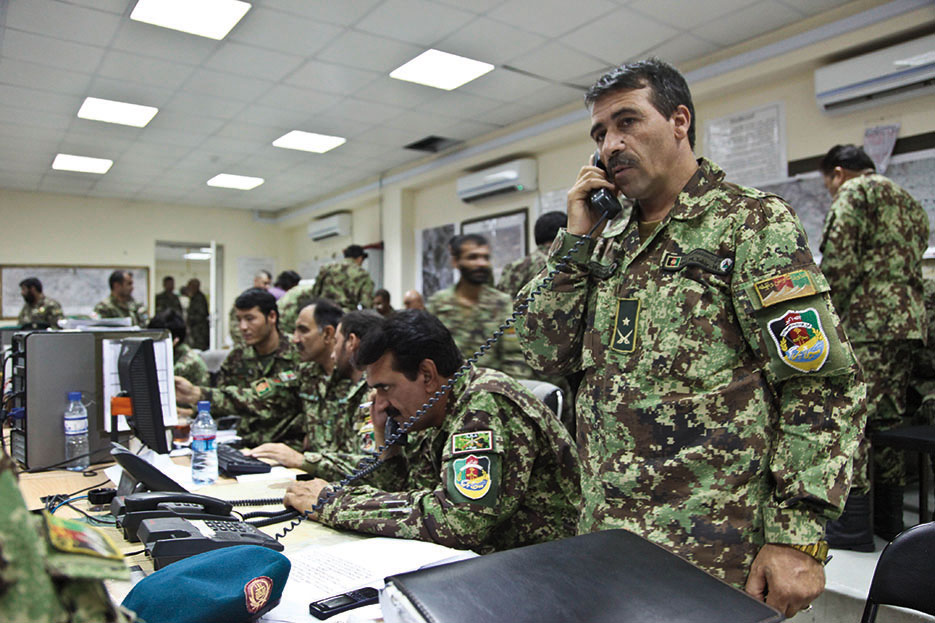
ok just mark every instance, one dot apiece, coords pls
pixel 602 199
pixel 392 428
pixel 130 511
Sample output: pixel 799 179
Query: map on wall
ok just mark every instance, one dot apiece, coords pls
pixel 436 272
pixel 77 288
pixel 807 195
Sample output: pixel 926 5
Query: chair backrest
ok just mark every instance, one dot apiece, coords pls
pixel 905 573
pixel 550 394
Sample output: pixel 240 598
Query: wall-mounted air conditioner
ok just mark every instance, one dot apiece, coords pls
pixel 897 72
pixel 509 177
pixel 330 226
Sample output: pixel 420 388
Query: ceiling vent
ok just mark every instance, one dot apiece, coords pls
pixel 509 177
pixel 433 144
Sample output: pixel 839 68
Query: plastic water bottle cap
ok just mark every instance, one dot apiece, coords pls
pixel 204 405
pixel 74 396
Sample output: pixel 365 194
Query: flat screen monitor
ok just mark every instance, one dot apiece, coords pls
pixel 136 367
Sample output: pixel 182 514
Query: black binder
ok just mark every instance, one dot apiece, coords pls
pixel 613 576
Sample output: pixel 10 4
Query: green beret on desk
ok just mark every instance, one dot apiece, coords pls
pixel 230 585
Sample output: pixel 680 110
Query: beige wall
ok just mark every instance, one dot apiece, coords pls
pixel 182 271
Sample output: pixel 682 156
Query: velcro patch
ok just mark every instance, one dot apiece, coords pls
pixel 702 258
pixel 67 535
pixel 287 375
pixel 476 441
pixel 800 340
pixel 625 325
pixel 472 476
pixel 794 285
pixel 262 387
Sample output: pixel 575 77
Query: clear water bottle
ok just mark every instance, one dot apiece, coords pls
pixel 76 434
pixel 204 446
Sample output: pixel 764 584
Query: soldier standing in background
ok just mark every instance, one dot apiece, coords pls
pixel 346 283
pixel 38 309
pixel 120 303
pixel 518 273
pixel 167 298
pixel 199 331
pixel 872 245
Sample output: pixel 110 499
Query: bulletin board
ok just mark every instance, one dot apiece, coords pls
pixel 77 288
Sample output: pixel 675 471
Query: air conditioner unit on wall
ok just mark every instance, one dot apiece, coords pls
pixel 897 72
pixel 509 177
pixel 330 226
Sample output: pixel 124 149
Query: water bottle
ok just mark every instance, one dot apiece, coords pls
pixel 76 434
pixel 204 434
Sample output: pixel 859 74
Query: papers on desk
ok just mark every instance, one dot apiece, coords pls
pixel 323 571
pixel 179 473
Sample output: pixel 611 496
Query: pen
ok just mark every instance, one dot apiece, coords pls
pixel 366 405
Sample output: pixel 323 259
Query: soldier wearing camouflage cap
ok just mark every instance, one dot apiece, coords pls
pixel 347 283
pixel 120 303
pixel 488 467
pixel 719 409
pixel 874 236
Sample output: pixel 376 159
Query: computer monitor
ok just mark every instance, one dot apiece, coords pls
pixel 136 367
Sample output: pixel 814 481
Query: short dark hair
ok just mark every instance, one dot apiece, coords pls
pixel 382 292
pixel 668 89
pixel 31 282
pixel 359 322
pixel 287 280
pixel 257 297
pixel 355 250
pixel 117 277
pixel 457 243
pixel 547 226
pixel 327 313
pixel 411 335
pixel 172 320
pixel 850 157
pixel 167 278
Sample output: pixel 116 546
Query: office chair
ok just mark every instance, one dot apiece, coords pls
pixel 904 574
pixel 548 393
pixel 919 439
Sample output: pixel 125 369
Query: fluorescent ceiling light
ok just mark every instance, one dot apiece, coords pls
pixel 240 182
pixel 196 255
pixel 111 111
pixel 441 70
pixel 308 141
pixel 82 164
pixel 205 18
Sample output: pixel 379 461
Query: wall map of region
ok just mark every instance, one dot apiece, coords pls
pixel 77 288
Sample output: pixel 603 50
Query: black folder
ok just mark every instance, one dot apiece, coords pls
pixel 613 576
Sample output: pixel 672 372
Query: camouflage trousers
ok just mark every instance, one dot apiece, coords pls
pixel 887 367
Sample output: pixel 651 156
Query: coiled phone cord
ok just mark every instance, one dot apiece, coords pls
pixel 369 464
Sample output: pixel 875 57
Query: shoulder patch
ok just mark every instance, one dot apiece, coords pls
pixel 67 535
pixel 262 387
pixel 477 441
pixel 794 285
pixel 286 376
pixel 800 339
pixel 472 476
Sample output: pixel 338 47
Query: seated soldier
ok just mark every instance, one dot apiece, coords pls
pixel 487 467
pixel 188 364
pixel 339 432
pixel 256 380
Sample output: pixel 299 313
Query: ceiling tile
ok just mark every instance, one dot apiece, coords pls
pixel 273 117
pixel 49 51
pixel 237 149
pixel 28 117
pixel 687 15
pixel 172 137
pixel 71 183
pixel 813 7
pixel 365 51
pixel 184 122
pixel 125 66
pixel 249 60
pixel 132 92
pixel 554 61
pixel 417 21
pixel 346 12
pixel 393 137
pixel 18 180
pixel 457 104
pixel 397 92
pixel 20 154
pixel 602 39
pixel 554 96
pixel 164 43
pixel 331 78
pixel 682 49
pixel 198 104
pixel 225 85
pixel 468 129
pixel 118 7
pixel 41 77
pixel 748 23
pixel 508 114
pixel 550 17
pixel 503 85
pixel 242 131
pixel 84 141
pixel 294 98
pixel 366 112
pixel 62 21
pixel 12 130
pixel 477 6
pixel 21 97
pixel 490 41
pixel 284 32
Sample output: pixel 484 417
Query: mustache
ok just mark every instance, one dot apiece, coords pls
pixel 618 160
pixel 392 412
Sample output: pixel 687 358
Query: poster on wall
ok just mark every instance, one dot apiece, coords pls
pixel 435 272
pixel 750 146
pixel 506 234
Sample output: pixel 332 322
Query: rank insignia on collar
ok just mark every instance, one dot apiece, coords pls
pixel 262 387
pixel 702 258
pixel 472 476
pixel 794 285
pixel 625 325
pixel 257 592
pixel 476 441
pixel 801 342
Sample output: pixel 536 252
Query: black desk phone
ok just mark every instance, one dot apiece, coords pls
pixel 130 511
pixel 170 539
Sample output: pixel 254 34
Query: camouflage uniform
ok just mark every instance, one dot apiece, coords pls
pixel 471 326
pixel 520 272
pixel 112 308
pixel 291 304
pixel 720 405
pixel 40 580
pixel 923 363
pixel 334 421
pixel 198 332
pixel 872 245
pixel 499 472
pixel 263 391
pixel 46 310
pixel 345 283
pixel 168 300
pixel 189 365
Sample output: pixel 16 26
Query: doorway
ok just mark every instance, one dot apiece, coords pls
pixel 184 261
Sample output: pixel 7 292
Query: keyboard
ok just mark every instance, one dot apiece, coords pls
pixel 233 463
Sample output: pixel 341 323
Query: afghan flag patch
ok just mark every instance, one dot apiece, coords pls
pixel 476 441
pixel 801 342
pixel 472 476
pixel 286 376
pixel 792 285
pixel 262 387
